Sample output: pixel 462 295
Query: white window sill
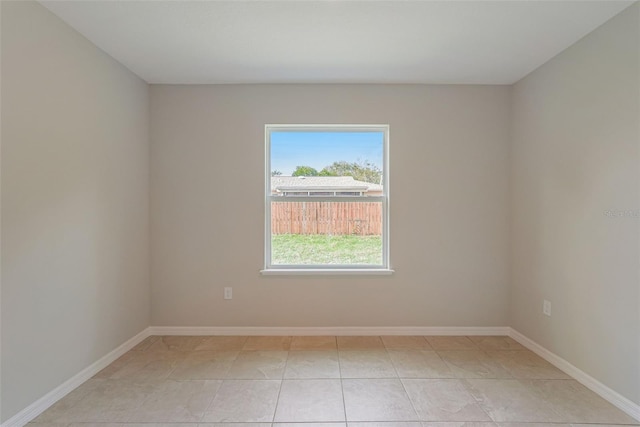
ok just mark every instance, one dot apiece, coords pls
pixel 327 272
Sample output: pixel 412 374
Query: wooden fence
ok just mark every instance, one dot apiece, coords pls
pixel 333 218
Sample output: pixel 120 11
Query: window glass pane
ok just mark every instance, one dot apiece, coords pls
pixel 321 162
pixel 326 233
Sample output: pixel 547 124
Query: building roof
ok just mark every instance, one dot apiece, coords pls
pixel 344 183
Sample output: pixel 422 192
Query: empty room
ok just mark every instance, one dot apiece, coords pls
pixel 319 213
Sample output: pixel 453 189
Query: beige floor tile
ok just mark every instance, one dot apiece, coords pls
pixel 109 401
pixel 310 400
pixel 149 365
pixel 366 364
pixel 258 365
pixel 473 364
pixel 451 343
pixel 176 343
pixel 459 424
pixel 510 400
pixel 538 425
pixel 314 424
pixel 232 425
pixel 314 343
pixel 377 400
pixel 146 343
pixel 117 365
pixel 229 425
pixel 204 365
pixel 222 343
pixel 34 424
pixel 118 401
pixel 244 401
pixel 443 400
pixel 496 343
pixel 386 424
pixel 526 364
pixel 336 424
pixel 577 404
pixel 403 342
pixel 419 364
pixel 312 364
pixel 599 425
pixel 176 401
pixel 58 412
pixel 359 343
pixel 125 425
pixel 267 343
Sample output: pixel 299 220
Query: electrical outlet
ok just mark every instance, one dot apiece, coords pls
pixel 546 307
pixel 228 293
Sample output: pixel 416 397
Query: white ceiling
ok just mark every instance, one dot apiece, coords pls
pixel 263 41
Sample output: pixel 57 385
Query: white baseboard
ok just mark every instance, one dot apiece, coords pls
pixel 328 330
pixel 39 406
pixel 613 397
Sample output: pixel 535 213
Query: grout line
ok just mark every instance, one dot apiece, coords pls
pixel 413 406
pixel 344 403
pixel 344 400
pixel 275 410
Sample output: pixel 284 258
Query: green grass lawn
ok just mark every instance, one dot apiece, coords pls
pixel 322 249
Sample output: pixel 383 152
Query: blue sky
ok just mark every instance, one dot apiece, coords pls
pixel 319 149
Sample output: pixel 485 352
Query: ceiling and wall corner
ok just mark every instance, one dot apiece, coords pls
pixel 437 42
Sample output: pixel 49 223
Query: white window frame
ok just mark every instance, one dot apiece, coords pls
pixel 350 269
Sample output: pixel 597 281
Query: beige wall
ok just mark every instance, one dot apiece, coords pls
pixel 574 157
pixel 449 207
pixel 74 204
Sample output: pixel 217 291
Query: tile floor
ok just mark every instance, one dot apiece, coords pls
pixel 360 381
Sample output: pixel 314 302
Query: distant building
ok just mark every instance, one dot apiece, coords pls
pixel 292 186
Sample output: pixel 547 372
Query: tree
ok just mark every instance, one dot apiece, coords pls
pixel 360 170
pixel 276 173
pixel 304 171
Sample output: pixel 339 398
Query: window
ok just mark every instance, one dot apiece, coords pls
pixel 327 199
